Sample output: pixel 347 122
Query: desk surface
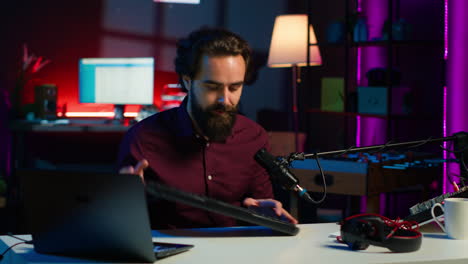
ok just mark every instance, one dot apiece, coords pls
pixel 245 245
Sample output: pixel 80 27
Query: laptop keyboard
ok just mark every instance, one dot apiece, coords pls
pixel 248 215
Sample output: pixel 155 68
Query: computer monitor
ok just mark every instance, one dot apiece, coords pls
pixel 118 81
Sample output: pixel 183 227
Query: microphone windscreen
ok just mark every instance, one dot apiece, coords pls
pixel 265 159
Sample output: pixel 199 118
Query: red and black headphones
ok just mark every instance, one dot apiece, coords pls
pixel 360 231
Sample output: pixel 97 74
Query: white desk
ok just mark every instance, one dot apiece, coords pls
pixel 253 245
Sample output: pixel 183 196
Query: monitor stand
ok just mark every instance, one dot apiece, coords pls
pixel 118 115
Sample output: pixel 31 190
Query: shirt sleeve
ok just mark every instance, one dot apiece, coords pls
pixel 127 150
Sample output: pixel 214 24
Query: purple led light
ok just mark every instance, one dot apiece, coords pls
pixel 457 65
pixel 358 131
pixel 445 29
pixel 383 203
pixel 358 79
pixel 363 204
pixel 444 121
pixel 369 58
pixel 444 131
pixel 456 72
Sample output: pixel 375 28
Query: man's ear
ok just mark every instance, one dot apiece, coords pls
pixel 187 82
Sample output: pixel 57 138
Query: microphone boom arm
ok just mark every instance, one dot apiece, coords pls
pixel 301 156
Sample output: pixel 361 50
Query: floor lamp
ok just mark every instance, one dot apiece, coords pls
pixel 288 48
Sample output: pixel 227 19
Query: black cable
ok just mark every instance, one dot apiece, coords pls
pixel 385 146
pixel 23 241
pixel 324 183
pixel 462 160
pixel 454 151
pixel 420 144
pixel 344 152
pixel 462 179
pixel 19 238
pixel 10 247
pixel 449 145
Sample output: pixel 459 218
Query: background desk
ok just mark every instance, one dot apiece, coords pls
pixel 254 245
pixel 90 141
pixel 82 145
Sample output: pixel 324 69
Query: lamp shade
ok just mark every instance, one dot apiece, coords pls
pixel 288 45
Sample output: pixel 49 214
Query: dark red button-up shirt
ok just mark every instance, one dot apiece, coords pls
pixel 180 158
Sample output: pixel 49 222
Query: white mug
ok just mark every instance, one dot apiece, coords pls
pixel 456 217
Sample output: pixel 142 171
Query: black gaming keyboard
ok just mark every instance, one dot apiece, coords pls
pixel 421 212
pixel 216 206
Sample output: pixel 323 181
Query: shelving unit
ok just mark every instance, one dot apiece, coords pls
pixel 419 58
pixel 398 53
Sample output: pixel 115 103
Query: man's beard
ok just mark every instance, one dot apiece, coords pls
pixel 216 121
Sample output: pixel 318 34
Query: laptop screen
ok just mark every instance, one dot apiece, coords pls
pixel 90 215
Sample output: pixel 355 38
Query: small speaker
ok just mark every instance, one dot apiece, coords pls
pixel 46 101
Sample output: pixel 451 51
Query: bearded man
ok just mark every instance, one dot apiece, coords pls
pixel 204 146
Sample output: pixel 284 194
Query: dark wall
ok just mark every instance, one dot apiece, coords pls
pixel 64 32
pixel 56 30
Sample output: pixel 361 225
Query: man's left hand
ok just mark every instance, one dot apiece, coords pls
pixel 275 206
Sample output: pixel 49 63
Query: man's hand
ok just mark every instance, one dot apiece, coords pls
pixel 275 206
pixel 138 169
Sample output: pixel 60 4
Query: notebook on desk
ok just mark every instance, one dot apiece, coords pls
pixel 90 215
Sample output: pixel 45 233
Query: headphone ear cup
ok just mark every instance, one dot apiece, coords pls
pixel 355 234
pixel 358 245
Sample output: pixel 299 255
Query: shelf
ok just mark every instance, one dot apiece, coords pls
pixel 385 43
pixel 354 114
pixel 349 114
pixel 399 43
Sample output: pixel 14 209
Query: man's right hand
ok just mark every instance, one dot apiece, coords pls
pixel 138 169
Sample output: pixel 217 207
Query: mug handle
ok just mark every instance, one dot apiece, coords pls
pixel 435 217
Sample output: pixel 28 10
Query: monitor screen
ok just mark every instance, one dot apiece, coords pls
pixel 119 81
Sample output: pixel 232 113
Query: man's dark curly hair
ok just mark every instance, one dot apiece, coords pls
pixel 211 42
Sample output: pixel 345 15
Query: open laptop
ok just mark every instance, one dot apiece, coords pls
pixel 90 215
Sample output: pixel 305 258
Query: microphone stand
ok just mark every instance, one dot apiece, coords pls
pixel 460 139
pixel 460 150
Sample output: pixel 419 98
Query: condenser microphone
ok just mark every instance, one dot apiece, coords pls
pixel 278 171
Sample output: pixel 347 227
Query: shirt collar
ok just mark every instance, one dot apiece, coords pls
pixel 184 122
